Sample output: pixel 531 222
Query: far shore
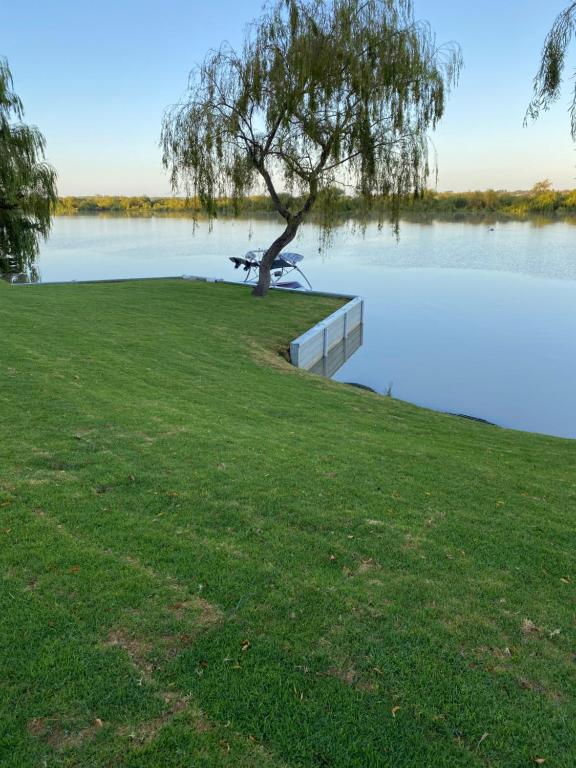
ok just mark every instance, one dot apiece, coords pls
pixel 485 218
pixel 541 203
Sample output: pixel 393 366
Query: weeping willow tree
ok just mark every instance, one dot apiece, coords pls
pixel 323 92
pixel 548 80
pixel 27 184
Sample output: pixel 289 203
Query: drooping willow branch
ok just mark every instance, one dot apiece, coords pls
pixel 321 90
pixel 548 80
pixel 27 184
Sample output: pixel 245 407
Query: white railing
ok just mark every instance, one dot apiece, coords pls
pixel 307 350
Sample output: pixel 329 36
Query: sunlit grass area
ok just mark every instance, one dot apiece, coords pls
pixel 209 558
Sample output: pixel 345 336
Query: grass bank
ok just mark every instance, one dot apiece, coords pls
pixel 211 559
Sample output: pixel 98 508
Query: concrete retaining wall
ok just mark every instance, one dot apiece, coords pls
pixel 314 345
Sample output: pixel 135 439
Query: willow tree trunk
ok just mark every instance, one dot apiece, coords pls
pixel 263 284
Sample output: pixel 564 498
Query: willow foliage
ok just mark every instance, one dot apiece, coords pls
pixel 27 184
pixel 323 93
pixel 548 80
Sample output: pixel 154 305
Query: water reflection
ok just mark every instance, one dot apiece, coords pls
pixel 457 317
pixel 340 353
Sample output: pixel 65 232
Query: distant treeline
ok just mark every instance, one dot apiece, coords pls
pixel 540 200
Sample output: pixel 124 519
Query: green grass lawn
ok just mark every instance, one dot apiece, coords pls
pixel 209 558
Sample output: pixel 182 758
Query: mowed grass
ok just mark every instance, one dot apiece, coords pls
pixel 209 558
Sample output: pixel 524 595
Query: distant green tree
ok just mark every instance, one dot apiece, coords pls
pixel 543 197
pixel 548 80
pixel 323 92
pixel 27 184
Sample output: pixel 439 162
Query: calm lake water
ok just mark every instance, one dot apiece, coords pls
pixel 458 318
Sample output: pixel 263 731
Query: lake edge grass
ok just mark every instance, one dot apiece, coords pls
pixel 206 550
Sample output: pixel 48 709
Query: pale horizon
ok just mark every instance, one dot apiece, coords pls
pixel 99 101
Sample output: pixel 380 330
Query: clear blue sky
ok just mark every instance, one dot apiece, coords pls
pixel 96 77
